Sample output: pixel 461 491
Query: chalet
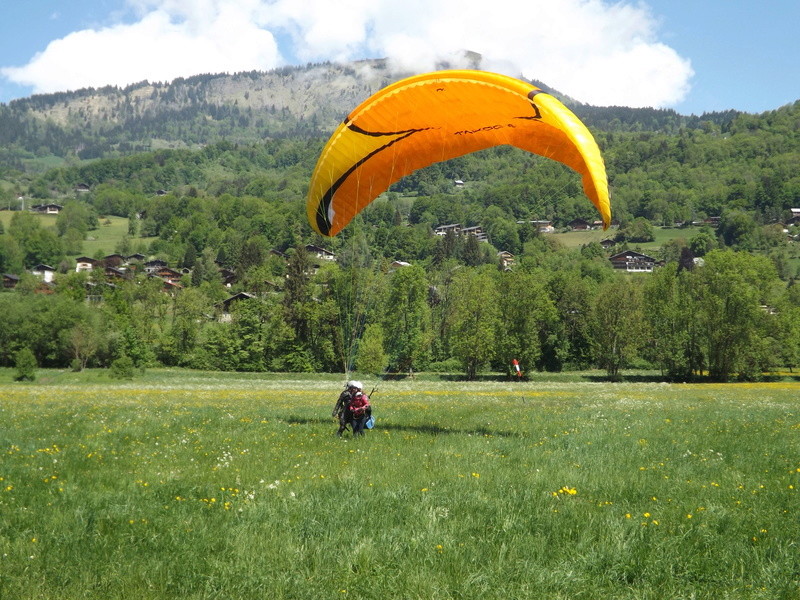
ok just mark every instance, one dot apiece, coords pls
pixel 506 260
pixel 168 274
pixel 226 304
pixel 607 243
pixel 320 253
pixel 458 183
pixel 47 209
pixel 82 188
pixel 114 260
pixel 633 262
pixel 44 272
pixel 84 263
pixel 135 257
pixel 10 281
pixel 477 231
pixel 543 226
pixel 444 229
pixel 151 266
pixel 115 273
pixel 579 225
pixel 398 264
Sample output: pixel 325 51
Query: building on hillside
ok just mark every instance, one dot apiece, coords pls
pixel 44 272
pixel 114 260
pixel 10 281
pixel 477 231
pixel 506 260
pixel 151 266
pixel 320 253
pixel 225 305
pixel 84 263
pixel 633 262
pixel 579 225
pixel 116 273
pixel 47 209
pixel 607 243
pixel 168 274
pixel 444 229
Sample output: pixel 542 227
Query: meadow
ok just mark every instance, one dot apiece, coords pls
pixel 196 485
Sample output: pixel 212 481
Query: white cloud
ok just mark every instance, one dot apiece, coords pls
pixel 593 50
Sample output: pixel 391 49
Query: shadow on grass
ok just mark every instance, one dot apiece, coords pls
pixel 430 429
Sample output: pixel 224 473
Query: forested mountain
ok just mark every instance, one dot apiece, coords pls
pixel 296 102
pixel 245 107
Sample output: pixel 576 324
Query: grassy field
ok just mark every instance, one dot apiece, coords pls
pixel 575 239
pixel 106 237
pixel 103 239
pixel 198 485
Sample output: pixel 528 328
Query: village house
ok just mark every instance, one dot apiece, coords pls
pixel 477 231
pixel 168 274
pixel 225 305
pixel 84 263
pixel 44 272
pixel 579 225
pixel 543 226
pixel 151 266
pixel 10 281
pixel 47 209
pixel 115 273
pixel 320 253
pixel 443 229
pixel 506 260
pixel 114 260
pixel 633 262
pixel 607 243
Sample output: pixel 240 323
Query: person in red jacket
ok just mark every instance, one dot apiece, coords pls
pixel 360 410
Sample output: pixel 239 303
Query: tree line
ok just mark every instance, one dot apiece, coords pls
pixel 727 317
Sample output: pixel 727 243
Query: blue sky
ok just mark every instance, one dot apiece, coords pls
pixel 691 55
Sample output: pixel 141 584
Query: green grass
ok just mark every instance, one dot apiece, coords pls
pixel 103 240
pixel 575 239
pixel 204 485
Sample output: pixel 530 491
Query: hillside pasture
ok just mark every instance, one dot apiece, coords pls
pixel 662 235
pixel 197 485
pixel 100 241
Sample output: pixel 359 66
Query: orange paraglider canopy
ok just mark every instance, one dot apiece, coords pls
pixel 437 116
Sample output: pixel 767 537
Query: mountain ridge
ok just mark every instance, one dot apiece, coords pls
pixel 306 102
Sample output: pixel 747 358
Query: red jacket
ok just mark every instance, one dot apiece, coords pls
pixel 359 405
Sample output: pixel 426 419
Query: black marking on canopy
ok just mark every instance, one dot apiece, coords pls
pixel 323 223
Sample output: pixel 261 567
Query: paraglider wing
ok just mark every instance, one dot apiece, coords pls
pixel 437 116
